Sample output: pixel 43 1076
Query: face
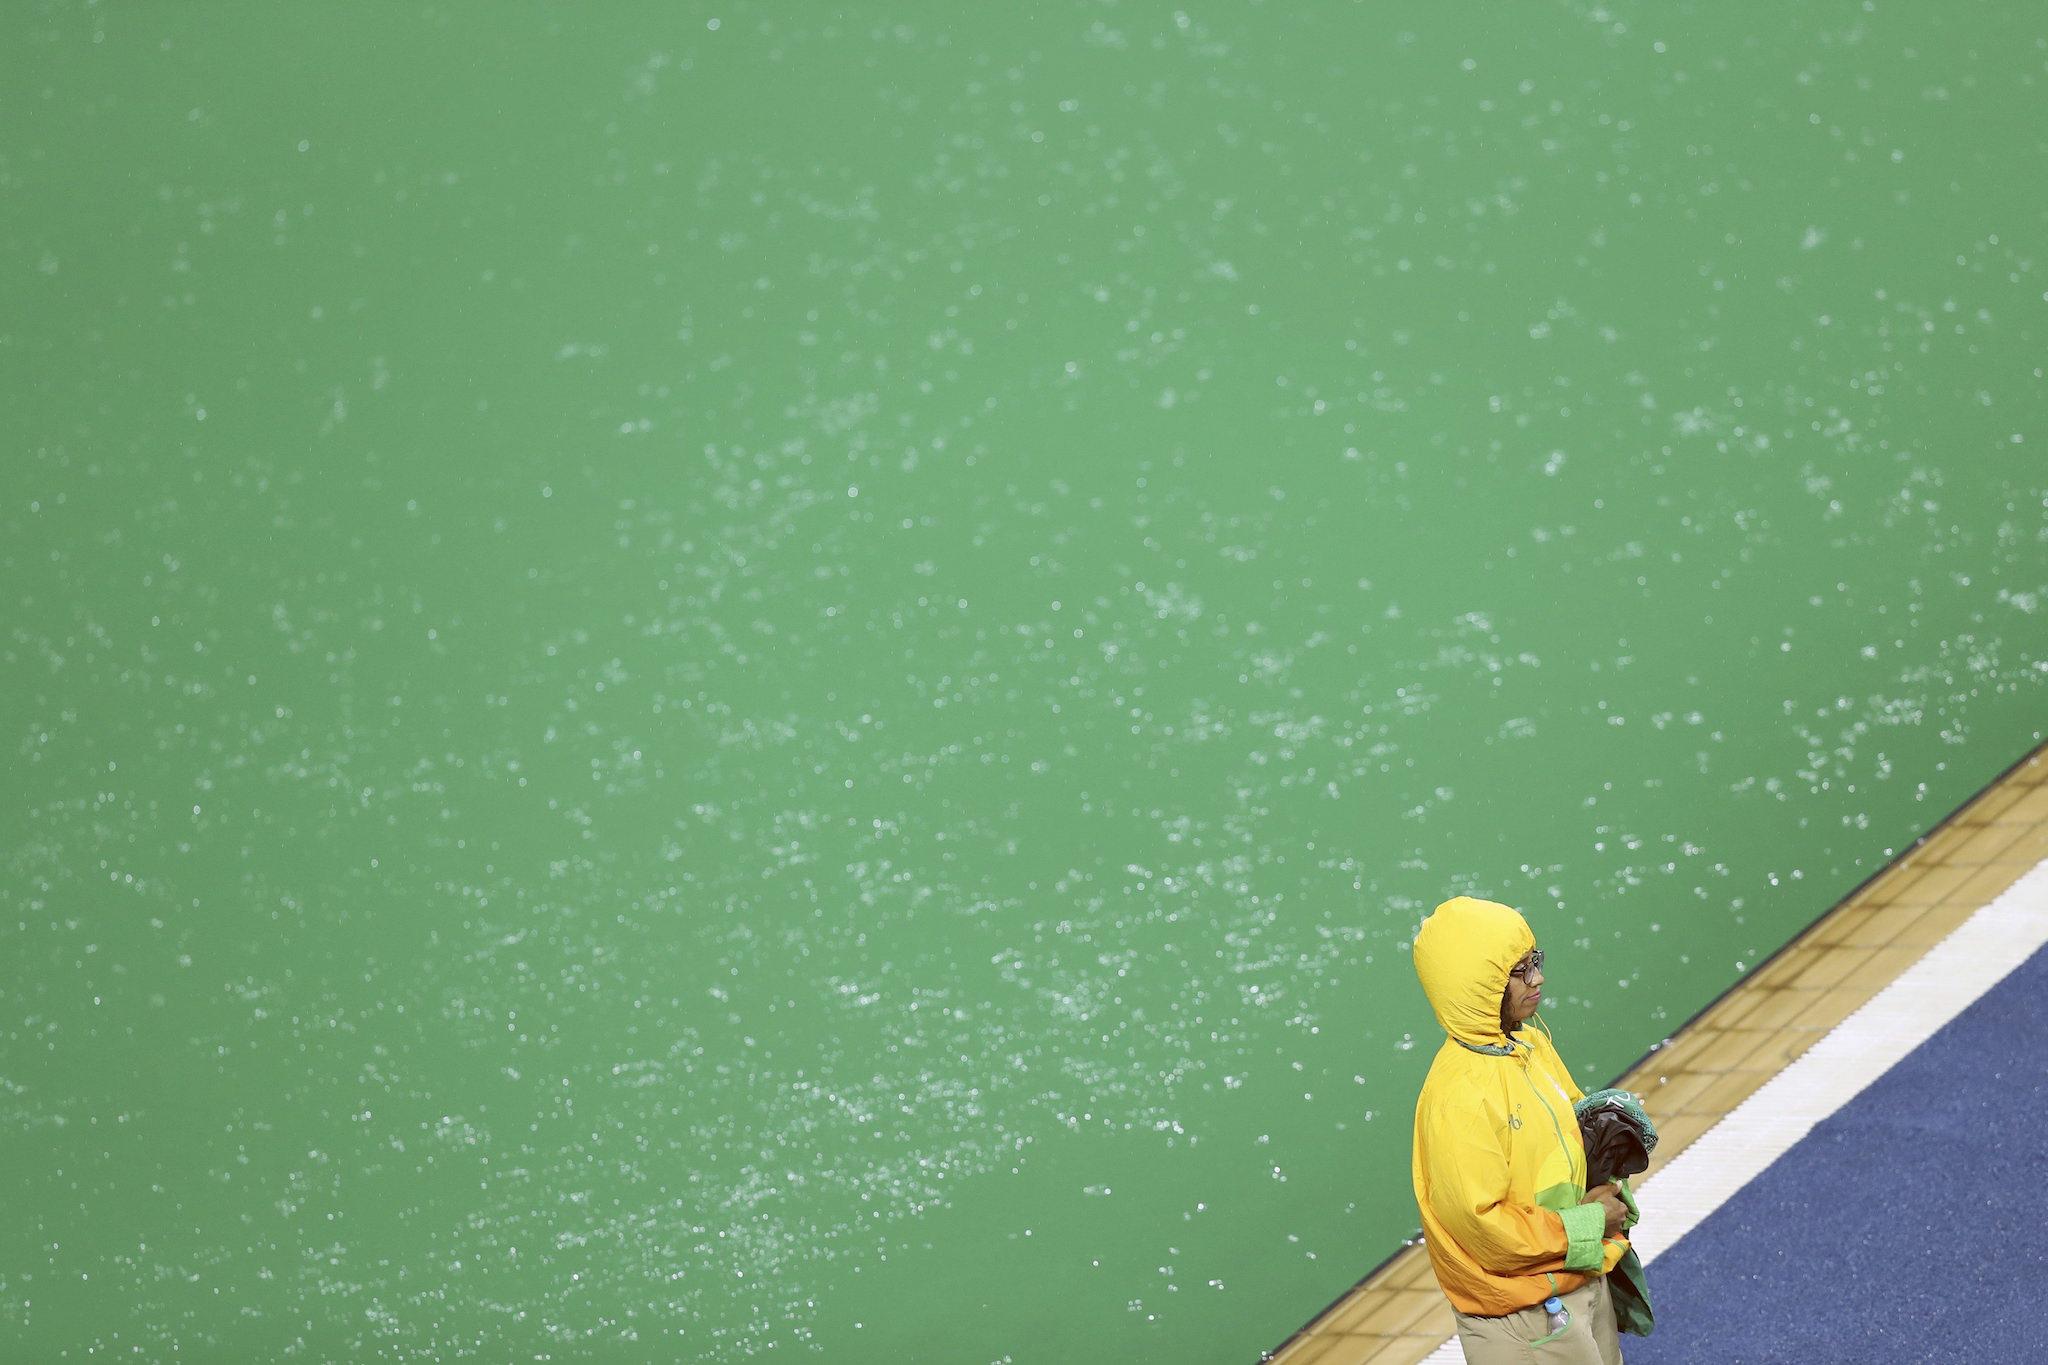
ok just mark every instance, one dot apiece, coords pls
pixel 1524 993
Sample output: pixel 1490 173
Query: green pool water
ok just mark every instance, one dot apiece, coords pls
pixel 688 682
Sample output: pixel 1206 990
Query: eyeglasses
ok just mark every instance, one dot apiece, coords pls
pixel 1528 966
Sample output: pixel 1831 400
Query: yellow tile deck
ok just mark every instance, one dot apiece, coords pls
pixel 1397 1316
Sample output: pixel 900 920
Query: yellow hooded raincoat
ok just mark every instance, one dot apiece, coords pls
pixel 1499 1168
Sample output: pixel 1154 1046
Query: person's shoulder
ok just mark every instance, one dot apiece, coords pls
pixel 1461 1082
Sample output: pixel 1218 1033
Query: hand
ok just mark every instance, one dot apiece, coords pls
pixel 1608 1200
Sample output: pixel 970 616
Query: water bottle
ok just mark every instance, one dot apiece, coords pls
pixel 1556 1316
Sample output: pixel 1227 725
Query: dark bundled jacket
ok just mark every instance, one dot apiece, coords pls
pixel 1619 1137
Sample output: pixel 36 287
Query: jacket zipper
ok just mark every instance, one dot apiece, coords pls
pixel 1578 1168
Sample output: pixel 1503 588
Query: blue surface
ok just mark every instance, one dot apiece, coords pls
pixel 1908 1227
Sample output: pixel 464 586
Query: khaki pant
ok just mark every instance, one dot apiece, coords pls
pixel 1517 1338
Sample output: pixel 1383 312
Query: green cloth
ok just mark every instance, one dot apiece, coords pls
pixel 1626 1284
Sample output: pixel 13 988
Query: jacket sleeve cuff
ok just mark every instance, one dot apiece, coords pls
pixel 1584 1226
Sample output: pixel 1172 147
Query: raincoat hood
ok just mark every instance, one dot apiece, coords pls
pixel 1463 953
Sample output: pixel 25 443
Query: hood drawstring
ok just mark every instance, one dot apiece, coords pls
pixel 1506 1049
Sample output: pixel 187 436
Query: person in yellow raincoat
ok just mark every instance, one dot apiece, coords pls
pixel 1519 1245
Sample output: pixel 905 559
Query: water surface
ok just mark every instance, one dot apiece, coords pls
pixel 683 682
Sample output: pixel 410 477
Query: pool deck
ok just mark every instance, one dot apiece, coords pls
pixel 1396 1315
